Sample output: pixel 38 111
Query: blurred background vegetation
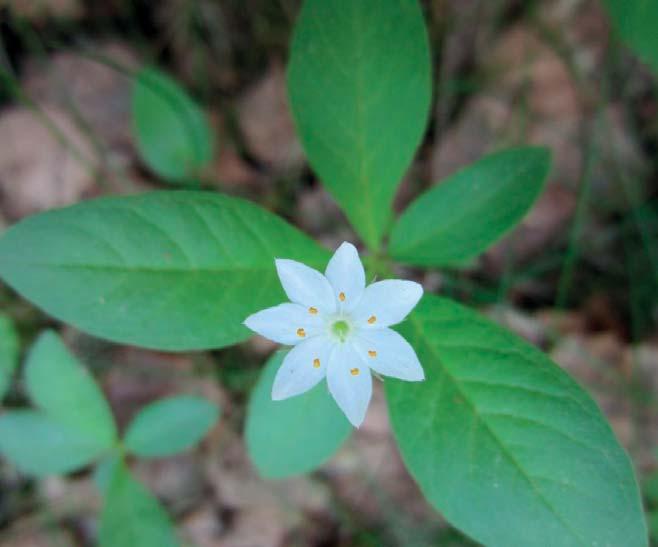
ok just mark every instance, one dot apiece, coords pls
pixel 578 278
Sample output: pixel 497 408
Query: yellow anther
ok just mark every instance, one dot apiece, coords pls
pixel 316 362
pixel 301 332
pixel 341 297
pixel 312 310
pixel 354 372
pixel 372 353
pixel 372 319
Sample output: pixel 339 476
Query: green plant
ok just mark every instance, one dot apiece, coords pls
pixel 72 427
pixel 500 440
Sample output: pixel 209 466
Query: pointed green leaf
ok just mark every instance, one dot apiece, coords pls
pixel 170 426
pixel 166 270
pixel 459 218
pixel 504 443
pixel 172 133
pixel 39 445
pixel 9 348
pixel 59 385
pixel 294 436
pixel 359 86
pixel 132 516
pixel 635 22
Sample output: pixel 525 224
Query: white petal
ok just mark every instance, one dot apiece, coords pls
pixel 388 353
pixel 346 275
pixel 303 367
pixel 306 286
pixel 350 382
pixel 282 323
pixel 386 303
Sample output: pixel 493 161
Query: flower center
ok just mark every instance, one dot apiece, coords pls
pixel 341 329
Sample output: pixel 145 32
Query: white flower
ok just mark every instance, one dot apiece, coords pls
pixel 339 329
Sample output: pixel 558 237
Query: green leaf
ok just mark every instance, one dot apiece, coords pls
pixel 75 425
pixel 66 392
pixel 292 436
pixel 635 22
pixel 9 349
pixel 172 133
pixel 359 82
pixel 458 219
pixel 165 270
pixel 39 445
pixel 504 443
pixel 133 517
pixel 106 469
pixel 170 426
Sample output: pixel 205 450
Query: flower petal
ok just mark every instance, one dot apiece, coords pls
pixel 350 382
pixel 286 323
pixel 303 367
pixel 346 275
pixel 386 303
pixel 306 286
pixel 388 353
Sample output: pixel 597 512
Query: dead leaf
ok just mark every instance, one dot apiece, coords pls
pixel 37 170
pixel 266 123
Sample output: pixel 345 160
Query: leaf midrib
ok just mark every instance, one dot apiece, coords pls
pixel 363 172
pixel 417 324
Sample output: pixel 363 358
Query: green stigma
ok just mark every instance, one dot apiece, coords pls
pixel 341 329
